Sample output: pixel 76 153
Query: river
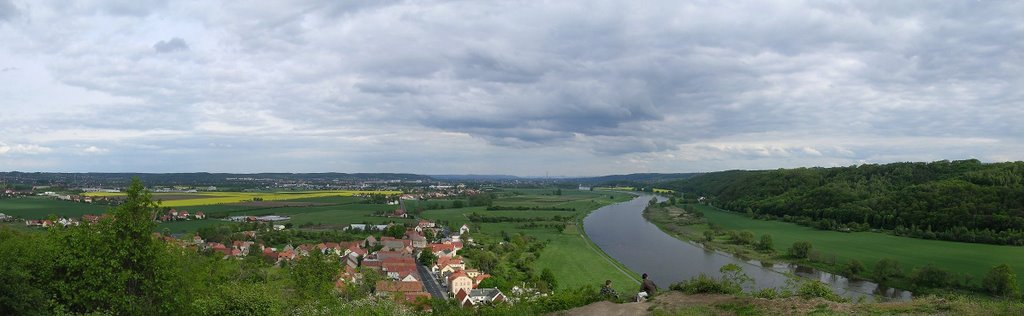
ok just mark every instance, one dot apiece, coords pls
pixel 624 234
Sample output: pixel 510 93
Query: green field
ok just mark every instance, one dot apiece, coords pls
pixel 343 215
pixel 570 256
pixel 40 207
pixel 177 227
pixel 869 247
pixel 213 198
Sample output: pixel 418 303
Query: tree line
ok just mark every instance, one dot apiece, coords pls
pixel 963 200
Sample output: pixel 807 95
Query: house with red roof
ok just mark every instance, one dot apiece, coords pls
pixel 446 265
pixel 416 240
pixel 407 291
pixel 92 219
pixel 270 256
pixel 457 281
pixel 445 250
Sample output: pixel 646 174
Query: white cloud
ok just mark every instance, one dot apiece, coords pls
pixel 432 86
pixel 25 149
pixel 94 150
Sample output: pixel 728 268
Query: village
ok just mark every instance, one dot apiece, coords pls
pixel 399 260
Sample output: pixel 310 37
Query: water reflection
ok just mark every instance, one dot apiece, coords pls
pixel 622 232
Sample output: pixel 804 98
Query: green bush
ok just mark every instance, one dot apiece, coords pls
pixel 887 269
pixel 770 293
pixel 1001 281
pixel 854 267
pixel 705 284
pixel 240 299
pixel 815 288
pixel 732 282
pixel 800 250
pixel 765 244
pixel 930 276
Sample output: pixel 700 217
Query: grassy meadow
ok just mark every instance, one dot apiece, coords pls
pixel 38 207
pixel 213 198
pixel 870 247
pixel 570 256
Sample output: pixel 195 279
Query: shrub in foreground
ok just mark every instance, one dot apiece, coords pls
pixel 732 282
pixel 705 284
pixel 814 289
pixel 1001 281
pixel 800 250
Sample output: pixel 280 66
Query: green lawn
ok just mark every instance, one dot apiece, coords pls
pixel 37 207
pixel 328 199
pixel 219 209
pixel 176 227
pixel 455 216
pixel 340 214
pixel 573 259
pixel 869 247
pixel 576 262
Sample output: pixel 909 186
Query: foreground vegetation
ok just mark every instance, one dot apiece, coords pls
pixel 964 200
pixel 119 266
pixel 932 265
pixel 812 297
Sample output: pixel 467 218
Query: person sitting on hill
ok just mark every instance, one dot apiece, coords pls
pixel 607 290
pixel 647 289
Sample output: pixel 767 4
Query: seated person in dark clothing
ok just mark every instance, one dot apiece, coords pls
pixel 608 291
pixel 647 289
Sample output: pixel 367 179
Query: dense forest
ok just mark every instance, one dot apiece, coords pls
pixel 963 200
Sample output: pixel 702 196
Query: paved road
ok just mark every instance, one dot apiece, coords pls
pixel 430 283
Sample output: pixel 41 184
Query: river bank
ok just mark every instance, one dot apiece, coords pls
pixel 623 233
pixel 676 303
pixel 691 226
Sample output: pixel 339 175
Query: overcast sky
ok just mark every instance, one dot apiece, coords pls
pixel 506 87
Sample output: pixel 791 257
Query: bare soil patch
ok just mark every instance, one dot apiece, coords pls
pixel 716 304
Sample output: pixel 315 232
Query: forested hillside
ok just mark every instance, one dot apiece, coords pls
pixel 962 200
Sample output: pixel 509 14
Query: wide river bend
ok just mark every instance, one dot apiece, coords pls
pixel 624 234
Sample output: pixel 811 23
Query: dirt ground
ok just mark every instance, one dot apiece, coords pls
pixel 673 302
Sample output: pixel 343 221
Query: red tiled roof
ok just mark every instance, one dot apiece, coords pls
pixel 412 296
pixel 456 275
pixel 461 295
pixel 397 286
pixel 445 261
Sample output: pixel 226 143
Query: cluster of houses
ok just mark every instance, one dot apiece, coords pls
pixel 13 193
pixel 182 215
pixel 75 198
pixel 394 258
pixel 440 192
pixel 65 221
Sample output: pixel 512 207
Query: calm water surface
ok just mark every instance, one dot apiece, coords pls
pixel 622 232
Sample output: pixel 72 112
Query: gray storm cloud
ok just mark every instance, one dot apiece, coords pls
pixel 629 86
pixel 174 44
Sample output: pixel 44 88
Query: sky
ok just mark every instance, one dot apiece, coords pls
pixel 566 88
